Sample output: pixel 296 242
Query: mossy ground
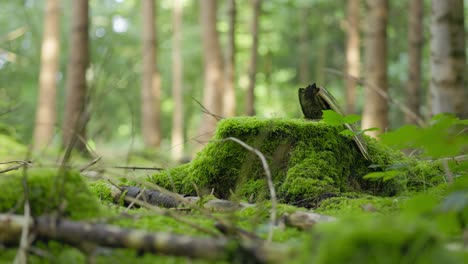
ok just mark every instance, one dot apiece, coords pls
pixel 409 219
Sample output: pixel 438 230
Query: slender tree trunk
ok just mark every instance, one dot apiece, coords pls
pixel 448 58
pixel 213 70
pixel 150 92
pixel 230 92
pixel 352 54
pixel 46 114
pixel 250 108
pixel 76 115
pixel 376 107
pixel 177 135
pixel 321 60
pixel 304 47
pixel 415 42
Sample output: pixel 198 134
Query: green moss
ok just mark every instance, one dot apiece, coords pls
pixel 377 240
pixel 102 190
pixel 48 191
pixel 171 178
pixel 355 203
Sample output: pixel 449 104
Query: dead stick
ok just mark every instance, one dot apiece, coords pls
pixel 271 187
pixel 137 168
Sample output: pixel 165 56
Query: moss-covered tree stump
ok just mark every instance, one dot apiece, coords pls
pixel 309 161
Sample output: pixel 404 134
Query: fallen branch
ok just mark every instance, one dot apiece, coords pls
pixel 76 233
pixel 20 164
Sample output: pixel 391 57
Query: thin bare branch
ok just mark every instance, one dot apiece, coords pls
pixel 87 166
pixel 271 187
pixel 383 94
pixel 22 254
pixel 137 168
pixel 206 111
pixel 21 164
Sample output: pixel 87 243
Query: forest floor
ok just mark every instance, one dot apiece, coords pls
pixel 221 208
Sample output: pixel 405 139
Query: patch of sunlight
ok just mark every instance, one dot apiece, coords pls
pixel 243 40
pixel 124 130
pixel 223 26
pixel 3 59
pixel 90 74
pixel 243 81
pixel 100 32
pixel 119 24
pixel 167 106
pixel 284 75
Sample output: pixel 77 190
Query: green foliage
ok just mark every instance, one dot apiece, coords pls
pixel 334 118
pixel 443 138
pixel 102 190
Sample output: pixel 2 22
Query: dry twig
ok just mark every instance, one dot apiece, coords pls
pixel 383 94
pixel 271 187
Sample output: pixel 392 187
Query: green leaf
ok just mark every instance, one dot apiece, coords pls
pixel 351 119
pixel 332 117
pixel 347 132
pixel 385 175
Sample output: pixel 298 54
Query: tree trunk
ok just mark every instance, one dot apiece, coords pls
pixel 213 70
pixel 150 92
pixel 230 92
pixel 376 107
pixel 304 47
pixel 352 55
pixel 250 108
pixel 448 58
pixel 415 42
pixel 46 114
pixel 76 116
pixel 177 134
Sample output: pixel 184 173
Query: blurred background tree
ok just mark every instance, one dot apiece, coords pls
pixel 301 42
